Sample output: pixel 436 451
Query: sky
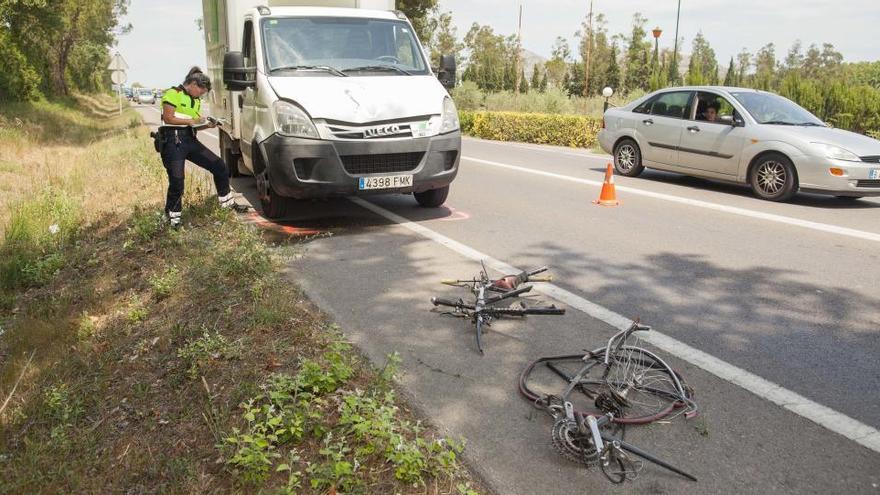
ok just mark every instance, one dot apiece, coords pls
pixel 165 41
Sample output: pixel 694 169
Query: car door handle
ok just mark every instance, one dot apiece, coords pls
pixel 648 122
pixel 694 128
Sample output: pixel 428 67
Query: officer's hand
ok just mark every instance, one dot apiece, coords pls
pixel 200 120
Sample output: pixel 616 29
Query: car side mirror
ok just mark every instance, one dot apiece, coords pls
pixel 237 77
pixel 446 75
pixel 731 121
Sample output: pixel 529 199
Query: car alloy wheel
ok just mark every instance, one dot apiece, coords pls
pixel 626 157
pixel 771 177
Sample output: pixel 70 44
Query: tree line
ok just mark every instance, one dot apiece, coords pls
pixel 846 95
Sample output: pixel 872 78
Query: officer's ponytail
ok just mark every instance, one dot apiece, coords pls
pixel 196 75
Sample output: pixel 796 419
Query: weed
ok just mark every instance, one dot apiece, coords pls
pixel 164 283
pixel 34 243
pixel 336 471
pixel 145 223
pixel 209 347
pixel 86 328
pixel 136 314
pixel 62 408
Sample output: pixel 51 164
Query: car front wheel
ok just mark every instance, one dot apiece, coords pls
pixel 773 178
pixel 628 158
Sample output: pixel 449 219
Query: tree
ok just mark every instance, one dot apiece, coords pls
pixel 523 82
pixel 730 75
pixel 765 67
pixel 543 86
pixel 795 58
pixel 638 69
pixel 744 62
pixel 703 67
pixel 56 36
pixel 442 36
pixel 557 67
pixel 487 63
pixel 417 12
pixel 535 81
pixel 612 75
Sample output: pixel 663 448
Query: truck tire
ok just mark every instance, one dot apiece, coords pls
pixel 432 198
pixel 274 205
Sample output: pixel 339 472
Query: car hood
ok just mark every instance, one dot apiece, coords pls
pixel 359 100
pixel 857 143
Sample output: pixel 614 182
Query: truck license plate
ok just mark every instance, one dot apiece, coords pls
pixel 874 173
pixel 385 182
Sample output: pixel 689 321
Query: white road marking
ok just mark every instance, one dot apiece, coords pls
pixel 822 227
pixel 835 421
pixel 584 154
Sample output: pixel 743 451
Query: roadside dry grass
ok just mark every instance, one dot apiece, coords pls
pixel 151 360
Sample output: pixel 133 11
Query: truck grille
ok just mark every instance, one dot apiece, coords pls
pixel 871 159
pixel 868 183
pixel 381 164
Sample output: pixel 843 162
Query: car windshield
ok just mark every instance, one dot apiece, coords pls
pixel 767 108
pixel 341 46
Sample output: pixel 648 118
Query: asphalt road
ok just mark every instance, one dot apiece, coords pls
pixel 770 310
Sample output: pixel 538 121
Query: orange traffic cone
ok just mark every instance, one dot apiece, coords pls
pixel 608 197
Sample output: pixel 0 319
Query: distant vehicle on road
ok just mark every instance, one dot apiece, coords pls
pixel 145 96
pixel 744 136
pixel 127 93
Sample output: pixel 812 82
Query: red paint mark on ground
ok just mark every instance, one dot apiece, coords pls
pixel 455 215
pixel 258 220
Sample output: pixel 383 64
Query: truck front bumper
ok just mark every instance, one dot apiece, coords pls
pixel 311 168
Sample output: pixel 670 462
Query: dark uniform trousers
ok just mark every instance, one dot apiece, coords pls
pixel 179 147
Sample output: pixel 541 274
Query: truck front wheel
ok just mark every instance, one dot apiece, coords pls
pixel 274 206
pixel 432 198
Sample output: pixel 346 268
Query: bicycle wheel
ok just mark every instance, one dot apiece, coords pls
pixel 635 385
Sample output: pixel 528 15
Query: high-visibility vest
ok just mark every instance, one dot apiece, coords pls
pixel 185 106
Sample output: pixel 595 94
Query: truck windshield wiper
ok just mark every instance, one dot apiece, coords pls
pixel 779 122
pixel 811 124
pixel 378 68
pixel 327 68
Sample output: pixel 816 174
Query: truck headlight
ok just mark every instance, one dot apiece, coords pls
pixel 836 152
pixel 449 118
pixel 290 120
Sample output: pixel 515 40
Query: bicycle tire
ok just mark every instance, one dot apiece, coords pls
pixel 651 389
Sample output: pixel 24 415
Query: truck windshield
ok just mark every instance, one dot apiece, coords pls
pixel 300 46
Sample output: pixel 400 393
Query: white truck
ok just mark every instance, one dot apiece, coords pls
pixel 330 98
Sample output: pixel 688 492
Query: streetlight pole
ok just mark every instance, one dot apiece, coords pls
pixel 675 49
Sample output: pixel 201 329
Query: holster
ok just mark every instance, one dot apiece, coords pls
pixel 159 138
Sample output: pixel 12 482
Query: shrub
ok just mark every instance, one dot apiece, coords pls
pixel 562 130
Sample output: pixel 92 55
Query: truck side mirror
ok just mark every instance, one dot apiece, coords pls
pixel 446 75
pixel 236 76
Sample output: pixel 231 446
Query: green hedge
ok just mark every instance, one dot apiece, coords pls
pixel 562 130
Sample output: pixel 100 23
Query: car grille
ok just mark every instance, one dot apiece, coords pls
pixel 381 164
pixel 868 183
pixel 871 159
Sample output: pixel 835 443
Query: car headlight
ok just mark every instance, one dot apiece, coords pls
pixel 449 118
pixel 836 152
pixel 290 120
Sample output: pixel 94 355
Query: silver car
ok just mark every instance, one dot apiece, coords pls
pixel 744 136
pixel 146 96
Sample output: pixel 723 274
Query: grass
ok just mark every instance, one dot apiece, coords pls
pixel 175 361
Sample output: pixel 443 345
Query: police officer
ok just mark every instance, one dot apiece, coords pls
pixel 181 109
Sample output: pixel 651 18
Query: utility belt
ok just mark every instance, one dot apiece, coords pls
pixel 170 133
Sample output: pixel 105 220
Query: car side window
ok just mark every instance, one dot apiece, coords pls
pixel 645 107
pixel 675 104
pixel 711 107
